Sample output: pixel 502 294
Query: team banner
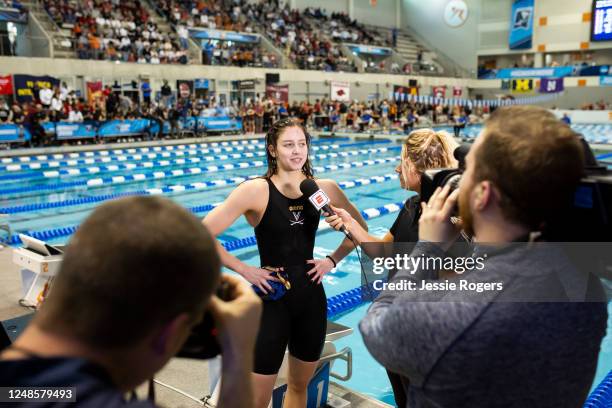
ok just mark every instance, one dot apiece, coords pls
pixel 521 25
pixel 438 91
pixel 6 84
pixel 457 91
pixel 24 85
pixel 94 91
pixel 278 93
pixel 340 91
pixel 522 85
pixel 551 85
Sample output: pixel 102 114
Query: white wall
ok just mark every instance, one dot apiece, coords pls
pixel 580 116
pixel 565 29
pixel 426 18
pixel 383 14
pixel 330 6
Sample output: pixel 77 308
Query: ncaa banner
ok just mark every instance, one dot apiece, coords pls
pixel 521 25
pixel 522 85
pixel 551 85
pixel 340 91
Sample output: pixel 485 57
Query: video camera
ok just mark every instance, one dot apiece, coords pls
pixel 588 220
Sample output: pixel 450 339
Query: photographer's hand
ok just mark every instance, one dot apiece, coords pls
pixel 435 223
pixel 238 323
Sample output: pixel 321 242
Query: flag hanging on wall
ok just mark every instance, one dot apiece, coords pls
pixel 522 85
pixel 551 85
pixel 340 91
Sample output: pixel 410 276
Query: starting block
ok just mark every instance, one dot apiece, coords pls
pixel 39 264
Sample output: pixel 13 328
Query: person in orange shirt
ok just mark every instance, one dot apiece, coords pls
pixel 94 44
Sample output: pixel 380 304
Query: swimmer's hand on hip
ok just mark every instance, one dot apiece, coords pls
pixel 320 268
pixel 260 277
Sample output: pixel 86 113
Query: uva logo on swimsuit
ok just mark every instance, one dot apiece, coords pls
pixel 297 218
pixel 296 212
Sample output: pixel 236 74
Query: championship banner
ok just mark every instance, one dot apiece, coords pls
pixel 438 91
pixel 457 91
pixel 522 85
pixel 24 84
pixel 340 91
pixel 521 25
pixel 68 131
pixel 185 88
pixel 115 128
pixel 94 91
pixel 551 85
pixel 6 84
pixel 278 93
pixel 10 133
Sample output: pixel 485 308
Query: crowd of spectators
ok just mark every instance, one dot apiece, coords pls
pixel 298 38
pixel 257 114
pixel 341 28
pixel 117 31
pixel 211 14
pixel 237 54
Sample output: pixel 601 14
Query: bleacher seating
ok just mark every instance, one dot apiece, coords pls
pixel 116 30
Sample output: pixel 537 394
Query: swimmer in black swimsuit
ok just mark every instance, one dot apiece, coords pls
pixel 285 226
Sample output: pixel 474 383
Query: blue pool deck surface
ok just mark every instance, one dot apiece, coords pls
pixel 31 187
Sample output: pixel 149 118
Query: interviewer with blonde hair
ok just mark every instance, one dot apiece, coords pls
pixel 422 150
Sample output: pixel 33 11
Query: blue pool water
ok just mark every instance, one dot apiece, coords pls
pixel 32 187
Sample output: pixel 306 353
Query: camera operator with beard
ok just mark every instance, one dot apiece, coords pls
pixel 531 344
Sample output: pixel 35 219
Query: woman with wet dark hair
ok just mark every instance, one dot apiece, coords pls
pixel 285 225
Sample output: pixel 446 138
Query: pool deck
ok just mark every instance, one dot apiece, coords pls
pixel 189 375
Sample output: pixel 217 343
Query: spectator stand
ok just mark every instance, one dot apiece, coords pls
pixel 127 33
pixel 181 29
pixel 232 48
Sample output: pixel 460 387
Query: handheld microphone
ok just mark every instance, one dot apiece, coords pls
pixel 319 200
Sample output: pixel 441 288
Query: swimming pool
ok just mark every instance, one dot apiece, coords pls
pixel 47 195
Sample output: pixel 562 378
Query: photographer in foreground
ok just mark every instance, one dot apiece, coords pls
pixel 495 350
pixel 136 278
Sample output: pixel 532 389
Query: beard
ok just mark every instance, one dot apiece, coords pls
pixel 465 212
